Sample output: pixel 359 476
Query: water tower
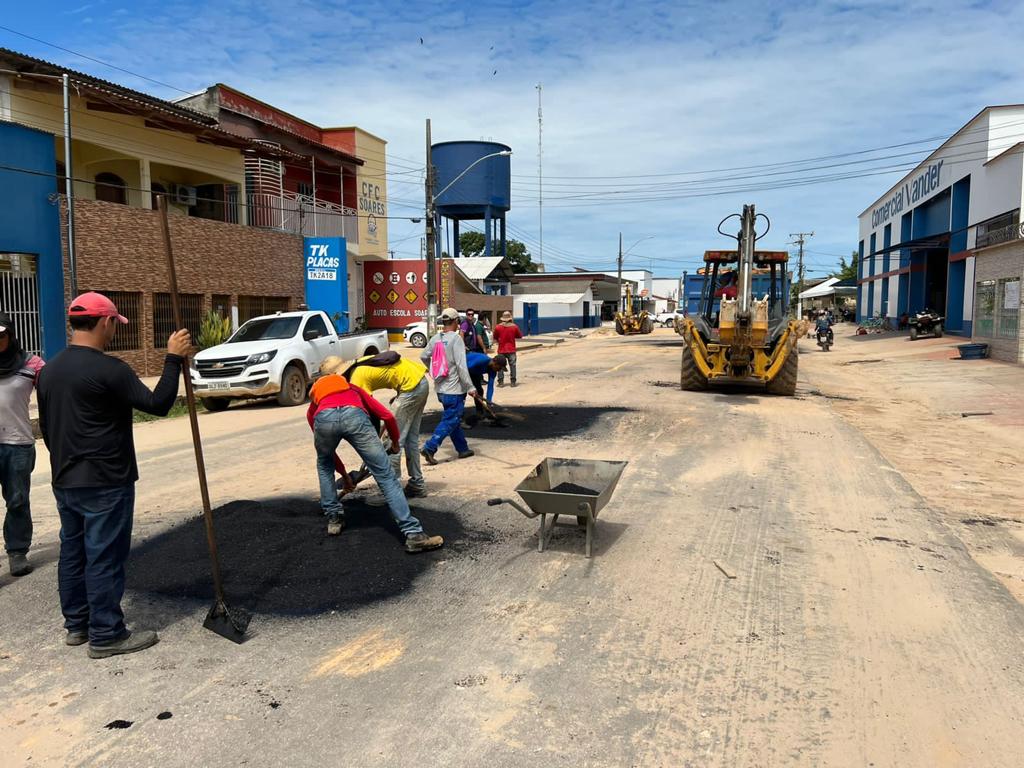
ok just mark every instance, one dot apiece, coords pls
pixel 483 192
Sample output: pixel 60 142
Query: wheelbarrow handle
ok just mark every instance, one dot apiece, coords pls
pixel 512 503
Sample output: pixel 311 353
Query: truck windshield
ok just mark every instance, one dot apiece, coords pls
pixel 267 328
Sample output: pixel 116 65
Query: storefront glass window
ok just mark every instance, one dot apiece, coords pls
pixel 1008 308
pixel 984 307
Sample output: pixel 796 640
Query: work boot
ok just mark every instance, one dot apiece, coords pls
pixel 420 542
pixel 515 384
pixel 335 525
pixel 466 453
pixel 20 566
pixel 414 491
pixel 428 456
pixel 80 637
pixel 139 640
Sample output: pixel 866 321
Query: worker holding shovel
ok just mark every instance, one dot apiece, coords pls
pixel 86 399
pixel 340 411
pixel 481 365
pixel 408 378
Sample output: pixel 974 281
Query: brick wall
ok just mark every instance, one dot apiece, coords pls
pixel 121 249
pixel 995 263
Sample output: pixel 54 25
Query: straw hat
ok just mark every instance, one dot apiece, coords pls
pixel 506 316
pixel 331 365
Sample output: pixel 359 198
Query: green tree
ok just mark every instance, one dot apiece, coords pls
pixel 472 244
pixel 847 271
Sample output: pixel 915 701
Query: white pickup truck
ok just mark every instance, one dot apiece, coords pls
pixel 275 355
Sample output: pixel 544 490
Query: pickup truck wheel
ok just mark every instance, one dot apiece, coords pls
pixel 370 351
pixel 418 340
pixel 214 404
pixel 293 387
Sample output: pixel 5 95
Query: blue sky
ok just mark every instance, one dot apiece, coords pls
pixel 633 92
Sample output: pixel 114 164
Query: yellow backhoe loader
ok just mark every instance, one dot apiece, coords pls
pixel 632 319
pixel 737 338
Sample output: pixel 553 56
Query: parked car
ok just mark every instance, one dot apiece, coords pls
pixel 275 355
pixel 416 333
pixel 665 319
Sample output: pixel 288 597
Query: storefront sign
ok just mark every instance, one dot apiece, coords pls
pixel 914 191
pixel 326 265
pixel 396 292
pixel 371 206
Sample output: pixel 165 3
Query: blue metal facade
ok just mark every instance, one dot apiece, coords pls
pixel 30 221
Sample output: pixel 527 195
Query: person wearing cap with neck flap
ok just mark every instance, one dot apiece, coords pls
pixel 340 411
pixel 451 383
pixel 86 402
pixel 19 373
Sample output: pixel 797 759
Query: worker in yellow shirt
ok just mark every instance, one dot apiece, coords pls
pixel 408 378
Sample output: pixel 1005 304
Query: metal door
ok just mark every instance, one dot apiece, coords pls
pixel 19 297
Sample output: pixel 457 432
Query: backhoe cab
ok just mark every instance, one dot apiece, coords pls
pixel 737 338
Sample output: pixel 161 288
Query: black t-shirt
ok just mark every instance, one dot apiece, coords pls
pixel 85 414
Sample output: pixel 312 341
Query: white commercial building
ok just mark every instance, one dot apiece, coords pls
pixel 920 242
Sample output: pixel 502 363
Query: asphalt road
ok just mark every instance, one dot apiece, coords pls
pixel 856 629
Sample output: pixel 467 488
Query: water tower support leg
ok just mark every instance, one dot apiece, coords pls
pixel 486 230
pixel 504 243
pixel 455 238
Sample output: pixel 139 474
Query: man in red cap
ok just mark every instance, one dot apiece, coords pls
pixel 85 414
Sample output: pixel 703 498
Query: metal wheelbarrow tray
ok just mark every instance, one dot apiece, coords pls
pixel 578 487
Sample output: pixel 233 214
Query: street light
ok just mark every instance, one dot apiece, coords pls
pixel 430 218
pixel 622 255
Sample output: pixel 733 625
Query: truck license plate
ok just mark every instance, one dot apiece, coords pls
pixel 218 385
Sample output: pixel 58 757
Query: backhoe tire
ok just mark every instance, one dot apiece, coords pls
pixel 647 326
pixel 619 329
pixel 785 382
pixel 293 387
pixel 690 377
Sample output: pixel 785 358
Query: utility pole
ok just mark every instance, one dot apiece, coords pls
pixel 620 273
pixel 540 171
pixel 431 277
pixel 800 237
pixel 69 191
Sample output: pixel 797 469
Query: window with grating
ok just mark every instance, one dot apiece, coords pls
pixel 129 304
pixel 254 306
pixel 221 304
pixel 163 317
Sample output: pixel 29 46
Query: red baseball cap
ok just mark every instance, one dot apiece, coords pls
pixel 94 304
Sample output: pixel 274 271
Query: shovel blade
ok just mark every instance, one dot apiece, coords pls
pixel 230 623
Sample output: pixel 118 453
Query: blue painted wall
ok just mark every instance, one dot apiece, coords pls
pixel 906 231
pixel 871 270
pixel 885 309
pixel 861 287
pixel 955 280
pixel 327 278
pixel 30 222
pixel 556 324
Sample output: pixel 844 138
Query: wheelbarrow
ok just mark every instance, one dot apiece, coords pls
pixel 579 487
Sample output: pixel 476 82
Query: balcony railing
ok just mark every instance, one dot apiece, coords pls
pixel 999 235
pixel 299 215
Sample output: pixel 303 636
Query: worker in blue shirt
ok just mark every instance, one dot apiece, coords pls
pixel 481 365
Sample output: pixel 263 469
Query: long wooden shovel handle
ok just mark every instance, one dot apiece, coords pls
pixel 190 397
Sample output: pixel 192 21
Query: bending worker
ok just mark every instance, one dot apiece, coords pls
pixel 445 353
pixel 408 378
pixel 481 365
pixel 340 411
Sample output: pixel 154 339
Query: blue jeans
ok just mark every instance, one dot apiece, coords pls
pixel 95 538
pixel 16 465
pixel 450 424
pixel 332 426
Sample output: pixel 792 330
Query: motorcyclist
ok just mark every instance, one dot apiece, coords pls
pixel 823 325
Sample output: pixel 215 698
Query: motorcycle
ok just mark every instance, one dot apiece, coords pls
pixel 926 322
pixel 825 339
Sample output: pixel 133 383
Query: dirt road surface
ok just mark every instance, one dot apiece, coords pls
pixel 868 622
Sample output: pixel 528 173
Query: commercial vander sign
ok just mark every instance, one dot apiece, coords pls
pixel 912 192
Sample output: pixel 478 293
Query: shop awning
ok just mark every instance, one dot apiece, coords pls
pixel 822 289
pixel 928 243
